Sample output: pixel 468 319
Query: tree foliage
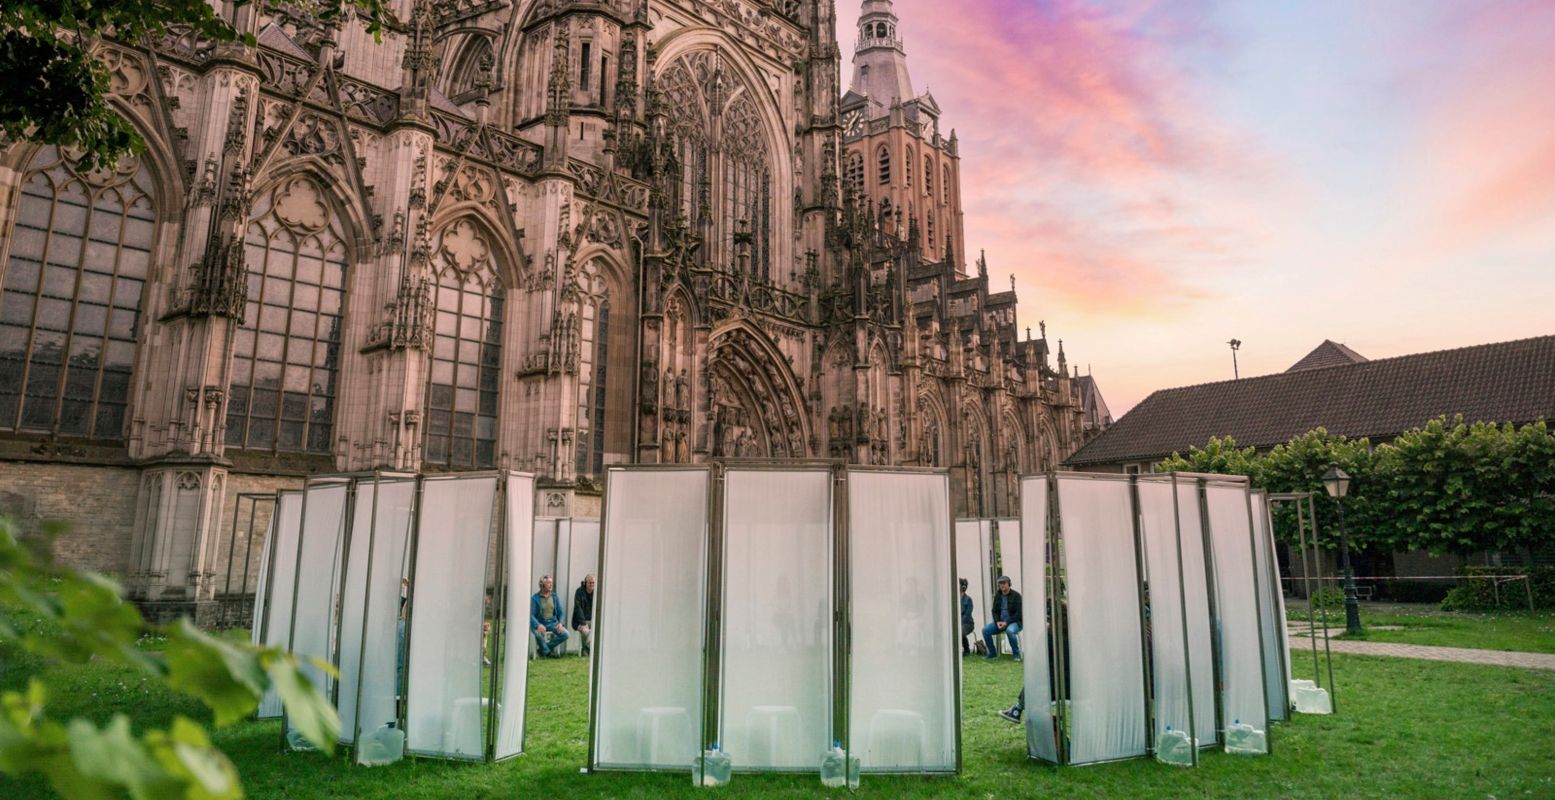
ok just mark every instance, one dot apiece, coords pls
pixel 81 616
pixel 1447 487
pixel 56 91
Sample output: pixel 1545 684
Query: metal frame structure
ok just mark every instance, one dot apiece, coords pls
pixel 254 499
pixel 711 662
pixel 1273 593
pixel 264 591
pixel 1054 561
pixel 494 578
pixel 1306 516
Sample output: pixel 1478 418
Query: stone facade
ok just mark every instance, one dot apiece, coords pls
pixel 541 235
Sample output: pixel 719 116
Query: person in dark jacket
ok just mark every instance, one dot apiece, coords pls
pixel 967 625
pixel 583 612
pixel 1006 620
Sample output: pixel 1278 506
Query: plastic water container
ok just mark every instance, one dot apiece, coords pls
pixel 297 742
pixel 1245 740
pixel 1297 684
pixel 383 746
pixel 1313 701
pixel 714 768
pixel 834 767
pixel 854 768
pixel 1175 748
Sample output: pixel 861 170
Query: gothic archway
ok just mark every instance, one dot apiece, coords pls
pixel 753 398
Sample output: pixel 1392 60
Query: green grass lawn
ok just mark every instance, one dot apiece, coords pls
pixel 1405 729
pixel 1503 630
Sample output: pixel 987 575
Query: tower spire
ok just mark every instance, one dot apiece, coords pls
pixel 879 59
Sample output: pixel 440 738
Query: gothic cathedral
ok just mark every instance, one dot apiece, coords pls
pixel 540 235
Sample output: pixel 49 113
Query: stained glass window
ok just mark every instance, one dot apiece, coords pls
pixel 465 385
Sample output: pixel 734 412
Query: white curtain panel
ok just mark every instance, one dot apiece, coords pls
pixel 581 558
pixel 652 595
pixel 775 709
pixel 273 608
pixel 370 605
pixel 902 686
pixel 543 558
pixel 1041 738
pixel 1106 663
pixel 1271 607
pixel 972 564
pixel 1237 603
pixel 256 626
pixel 1174 585
pixel 1010 548
pixel 317 569
pixel 515 631
pixel 444 703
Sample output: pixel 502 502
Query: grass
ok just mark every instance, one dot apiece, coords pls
pixel 1519 631
pixel 1405 729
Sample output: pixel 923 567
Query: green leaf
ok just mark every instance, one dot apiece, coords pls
pixel 113 757
pixel 227 676
pixel 307 709
pixel 187 752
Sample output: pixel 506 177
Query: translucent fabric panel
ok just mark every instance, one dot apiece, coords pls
pixel 902 689
pixel 272 613
pixel 543 558
pixel 1170 657
pixel 515 630
pixel 1195 578
pixel 972 565
pixel 256 627
pixel 444 706
pixel 1041 737
pixel 652 596
pixel 776 624
pixel 1237 603
pixel 317 569
pixel 371 602
pixel 582 561
pixel 1010 566
pixel 1271 603
pixel 1105 664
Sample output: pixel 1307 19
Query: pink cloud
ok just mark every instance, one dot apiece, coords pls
pixel 1079 131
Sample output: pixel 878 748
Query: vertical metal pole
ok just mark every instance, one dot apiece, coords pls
pixel 602 585
pixel 1187 644
pixel 367 599
pixel 291 625
pixel 842 610
pixel 337 590
pixel 1060 628
pixel 1146 649
pixel 955 617
pixel 1328 654
pixel 1212 594
pixel 497 661
pixel 403 655
pixel 1306 582
pixel 232 539
pixel 1276 590
pixel 248 546
pixel 1258 604
pixel 712 639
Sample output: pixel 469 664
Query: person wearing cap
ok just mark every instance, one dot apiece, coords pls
pixel 1006 620
pixel 967 625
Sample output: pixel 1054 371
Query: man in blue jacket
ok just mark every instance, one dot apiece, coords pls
pixel 546 613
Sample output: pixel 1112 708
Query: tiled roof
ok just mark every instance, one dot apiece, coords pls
pixel 1328 354
pixel 1505 382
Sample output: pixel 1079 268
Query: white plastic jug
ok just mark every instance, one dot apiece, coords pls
pixel 383 746
pixel 834 767
pixel 1245 740
pixel 1175 748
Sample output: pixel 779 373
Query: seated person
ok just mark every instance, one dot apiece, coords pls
pixel 1006 620
pixel 545 619
pixel 583 612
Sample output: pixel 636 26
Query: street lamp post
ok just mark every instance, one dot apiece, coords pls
pixel 1337 482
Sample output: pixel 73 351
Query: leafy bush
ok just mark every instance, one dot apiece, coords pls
pixel 1476 591
pixel 52 612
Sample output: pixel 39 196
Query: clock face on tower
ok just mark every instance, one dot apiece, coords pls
pixel 852 123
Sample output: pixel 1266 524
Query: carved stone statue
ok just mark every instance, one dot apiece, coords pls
pixel 682 402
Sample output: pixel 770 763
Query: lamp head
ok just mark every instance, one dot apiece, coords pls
pixel 1336 481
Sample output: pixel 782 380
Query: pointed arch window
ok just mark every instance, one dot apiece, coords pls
pixel 593 356
pixel 464 389
pixel 945 185
pixel 286 353
pixel 928 178
pixel 78 260
pixel 907 167
pixel 884 157
pixel 727 179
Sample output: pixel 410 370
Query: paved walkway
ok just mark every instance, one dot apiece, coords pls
pixel 1464 655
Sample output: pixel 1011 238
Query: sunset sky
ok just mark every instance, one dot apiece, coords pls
pixel 1161 177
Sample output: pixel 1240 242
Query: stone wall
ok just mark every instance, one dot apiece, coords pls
pixel 96 504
